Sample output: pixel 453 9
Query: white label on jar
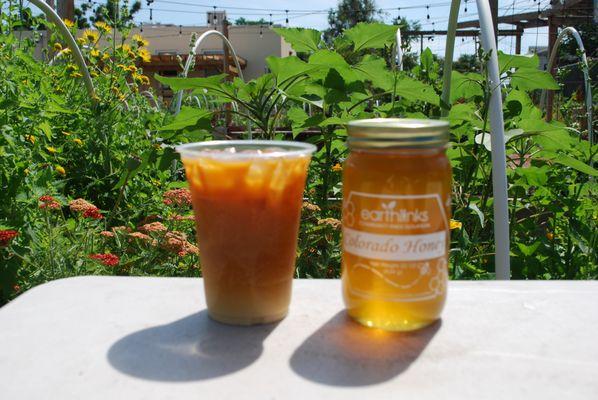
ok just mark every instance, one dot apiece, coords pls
pixel 394 247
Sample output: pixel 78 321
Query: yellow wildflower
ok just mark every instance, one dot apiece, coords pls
pixel 454 224
pixel 66 51
pixel 549 235
pixel 76 75
pixel 141 79
pixel 30 138
pixel 144 55
pixel 125 48
pixel 337 168
pixel 91 36
pixel 71 68
pixel 81 41
pixel 131 54
pixel 105 56
pixel 78 141
pixel 103 27
pixel 68 23
pixel 57 46
pixel 132 68
pixel 51 149
pixel 26 171
pixel 94 53
pixel 93 74
pixel 106 69
pixel 60 170
pixel 139 40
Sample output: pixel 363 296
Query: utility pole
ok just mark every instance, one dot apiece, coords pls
pixel 494 12
pixel 226 54
pixel 51 4
pixel 66 9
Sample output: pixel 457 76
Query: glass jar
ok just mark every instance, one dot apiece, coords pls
pixel 396 214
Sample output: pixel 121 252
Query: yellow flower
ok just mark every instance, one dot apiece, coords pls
pixel 132 68
pixel 66 51
pixel 76 75
pixel 26 171
pixel 103 27
pixel 105 56
pixel 145 55
pixel 549 235
pixel 125 48
pixel 81 41
pixel 106 69
pixel 91 36
pixel 337 168
pixel 455 224
pixel 60 170
pixel 68 23
pixel 71 68
pixel 139 40
pixel 78 141
pixel 51 149
pixel 141 79
pixel 30 138
pixel 94 53
pixel 131 54
pixel 57 46
pixel 93 74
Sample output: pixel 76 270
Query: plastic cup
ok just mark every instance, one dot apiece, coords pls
pixel 247 198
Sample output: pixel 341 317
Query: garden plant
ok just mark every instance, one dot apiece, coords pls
pixel 94 186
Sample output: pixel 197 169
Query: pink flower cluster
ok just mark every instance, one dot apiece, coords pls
pixel 177 197
pixel 107 259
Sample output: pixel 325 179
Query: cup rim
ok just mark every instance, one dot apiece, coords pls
pixel 198 149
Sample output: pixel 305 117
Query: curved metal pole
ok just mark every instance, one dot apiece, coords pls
pixel 588 88
pixel 192 54
pixel 399 55
pixel 448 56
pixel 71 43
pixel 497 138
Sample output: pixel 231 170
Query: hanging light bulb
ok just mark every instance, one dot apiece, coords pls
pixel 151 15
pixel 270 19
pixel 141 27
pixel 261 32
pixel 399 14
pixel 465 6
pixel 287 12
pixel 180 30
pixel 433 27
pixel 215 18
pixel 428 11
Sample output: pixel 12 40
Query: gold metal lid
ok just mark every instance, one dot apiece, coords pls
pixel 384 133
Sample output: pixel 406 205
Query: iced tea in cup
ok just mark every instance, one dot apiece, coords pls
pixel 247 198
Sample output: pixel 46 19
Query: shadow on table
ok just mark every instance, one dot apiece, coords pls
pixel 345 353
pixel 192 348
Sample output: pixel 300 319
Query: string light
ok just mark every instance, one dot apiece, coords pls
pixel 270 19
pixel 141 27
pixel 261 31
pixel 180 30
pixel 287 19
pixel 151 15
pixel 428 12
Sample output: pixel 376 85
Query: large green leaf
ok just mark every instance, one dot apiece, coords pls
pixel 531 79
pixel 508 61
pixel 371 36
pixel 549 136
pixel 188 117
pixel 411 89
pixel 569 161
pixel 528 109
pixel 177 84
pixel 374 69
pixel 463 112
pixel 287 68
pixel 324 60
pixel 465 86
pixel 300 39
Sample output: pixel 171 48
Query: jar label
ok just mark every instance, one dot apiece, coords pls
pixel 396 244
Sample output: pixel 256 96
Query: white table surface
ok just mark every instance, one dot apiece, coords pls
pixel 150 338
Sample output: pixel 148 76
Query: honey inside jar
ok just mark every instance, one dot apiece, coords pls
pixel 396 211
pixel 247 210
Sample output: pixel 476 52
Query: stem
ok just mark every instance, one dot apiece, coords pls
pixel 448 56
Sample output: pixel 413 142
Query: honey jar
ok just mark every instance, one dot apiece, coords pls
pixel 396 213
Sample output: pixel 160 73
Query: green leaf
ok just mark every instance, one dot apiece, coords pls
pixel 177 84
pixel 374 69
pixel 549 136
pixel 508 61
pixel 188 117
pixel 534 176
pixel 528 109
pixel 287 68
pixel 463 112
pixel 300 39
pixel 46 129
pixel 411 89
pixel 465 86
pixel 528 250
pixel 531 79
pixel 479 213
pixel 371 35
pixel 569 161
